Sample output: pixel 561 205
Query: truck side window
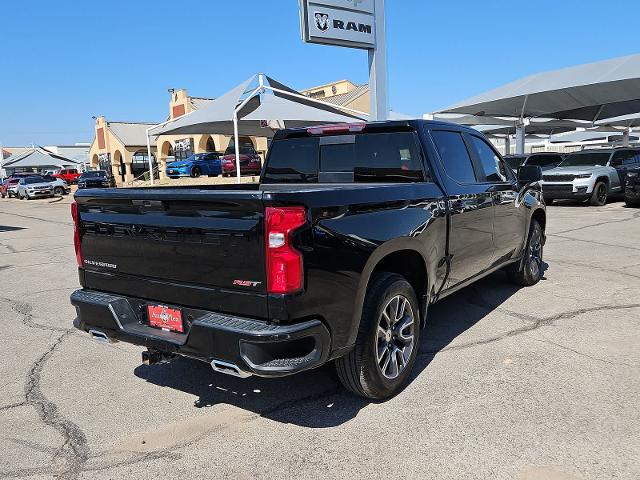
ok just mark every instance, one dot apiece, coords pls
pixel 492 164
pixel 454 155
pixel 375 157
pixel 294 160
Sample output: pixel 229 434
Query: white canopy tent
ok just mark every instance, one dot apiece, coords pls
pixel 259 110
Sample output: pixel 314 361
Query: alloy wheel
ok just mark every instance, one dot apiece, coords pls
pixel 395 336
pixel 602 194
pixel 535 252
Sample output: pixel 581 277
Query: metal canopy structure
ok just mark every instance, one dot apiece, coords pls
pixel 588 92
pixel 609 136
pixel 260 110
pixel 538 126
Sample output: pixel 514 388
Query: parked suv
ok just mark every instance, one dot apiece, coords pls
pixel 632 187
pixel 353 231
pixel 60 187
pixel 9 187
pixel 34 187
pixel 69 175
pixel 545 161
pixel 590 175
pixel 96 179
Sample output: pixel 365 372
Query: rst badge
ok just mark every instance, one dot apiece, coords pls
pixel 246 283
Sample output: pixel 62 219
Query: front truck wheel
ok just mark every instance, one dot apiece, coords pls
pixel 529 271
pixel 388 338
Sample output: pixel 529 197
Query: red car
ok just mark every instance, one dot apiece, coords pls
pixel 8 187
pixel 249 164
pixel 69 175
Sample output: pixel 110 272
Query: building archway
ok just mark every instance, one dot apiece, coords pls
pixel 246 146
pixel 206 144
pixel 118 164
pixel 140 163
pixel 166 151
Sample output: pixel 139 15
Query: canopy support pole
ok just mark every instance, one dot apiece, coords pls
pixel 149 157
pixel 507 144
pixel 625 137
pixel 1 162
pixel 520 132
pixel 236 142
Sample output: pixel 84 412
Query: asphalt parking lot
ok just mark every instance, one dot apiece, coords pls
pixel 538 383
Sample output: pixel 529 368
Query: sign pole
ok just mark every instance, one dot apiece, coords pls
pixel 378 76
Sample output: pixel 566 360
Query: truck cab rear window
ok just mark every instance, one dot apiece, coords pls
pixel 371 157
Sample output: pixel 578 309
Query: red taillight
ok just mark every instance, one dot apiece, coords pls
pixel 339 128
pixel 284 263
pixel 76 233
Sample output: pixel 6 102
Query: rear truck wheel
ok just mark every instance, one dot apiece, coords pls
pixel 58 191
pixel 195 172
pixel 3 195
pixel 529 271
pixel 627 201
pixel 599 195
pixel 388 338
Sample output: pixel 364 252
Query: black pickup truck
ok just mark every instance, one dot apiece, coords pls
pixel 336 255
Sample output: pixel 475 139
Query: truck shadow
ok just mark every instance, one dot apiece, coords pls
pixel 315 399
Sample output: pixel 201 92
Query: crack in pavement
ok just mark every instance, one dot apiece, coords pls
pixel 596 267
pixel 75 449
pixel 612 245
pixel 13 405
pixel 579 353
pixel 536 322
pixel 633 217
pixel 25 310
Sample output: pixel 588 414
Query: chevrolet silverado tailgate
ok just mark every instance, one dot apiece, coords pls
pixel 202 247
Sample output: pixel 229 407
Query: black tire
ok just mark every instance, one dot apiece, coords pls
pixel 359 371
pixel 631 203
pixel 599 195
pixel 195 172
pixel 529 271
pixel 58 191
pixel 3 195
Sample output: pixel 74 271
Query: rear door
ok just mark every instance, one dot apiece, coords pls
pixel 509 222
pixel 471 207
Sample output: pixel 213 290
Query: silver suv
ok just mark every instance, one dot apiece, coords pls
pixel 34 187
pixel 590 175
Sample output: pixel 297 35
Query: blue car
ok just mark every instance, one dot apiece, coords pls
pixel 196 165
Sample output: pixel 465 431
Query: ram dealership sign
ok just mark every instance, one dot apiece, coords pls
pixel 346 23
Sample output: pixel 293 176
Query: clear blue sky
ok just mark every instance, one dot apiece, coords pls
pixel 62 62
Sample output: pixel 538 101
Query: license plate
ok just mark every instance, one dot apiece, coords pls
pixel 168 319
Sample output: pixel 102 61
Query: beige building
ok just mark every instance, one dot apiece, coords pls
pixel 342 93
pixel 121 147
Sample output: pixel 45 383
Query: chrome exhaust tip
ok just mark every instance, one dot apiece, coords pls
pixel 100 336
pixel 228 369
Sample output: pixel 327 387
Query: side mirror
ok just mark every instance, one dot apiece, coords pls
pixel 529 174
